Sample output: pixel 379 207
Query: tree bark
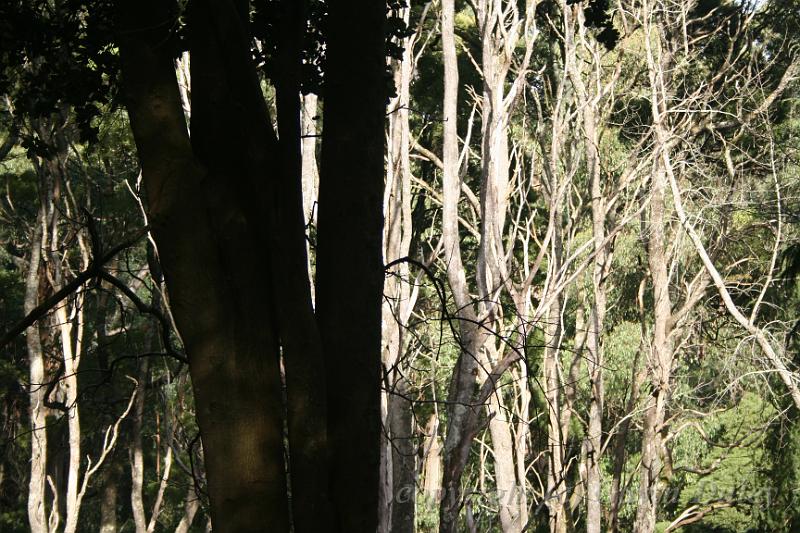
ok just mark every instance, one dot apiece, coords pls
pixel 462 386
pixel 37 513
pixel 398 465
pixel 588 100
pixel 349 256
pixel 137 453
pixel 212 270
pixel 660 361
pixel 226 209
pixel 109 495
pixel 661 352
pixel 308 145
pixel 190 507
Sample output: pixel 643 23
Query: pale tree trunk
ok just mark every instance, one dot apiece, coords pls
pixel 309 173
pixel 558 404
pixel 556 495
pixel 190 507
pixel 558 383
pixel 58 203
pixel 521 437
pixel 494 197
pixel 141 521
pixel 162 486
pixel 510 492
pixel 37 512
pixel 183 72
pixel 308 148
pixel 660 360
pixel 501 26
pixel 432 461
pixel 398 461
pixel 69 382
pixel 661 352
pixel 137 453
pixel 588 100
pixel 457 438
pixel 68 321
pixel 404 464
pixel 111 475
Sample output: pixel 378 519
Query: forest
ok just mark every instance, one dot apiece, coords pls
pixel 398 266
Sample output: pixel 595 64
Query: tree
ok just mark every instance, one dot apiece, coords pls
pixel 231 241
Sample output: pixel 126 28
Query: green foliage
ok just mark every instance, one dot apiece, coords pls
pixel 719 460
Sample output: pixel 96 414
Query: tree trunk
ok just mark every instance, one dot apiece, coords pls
pixel 310 172
pixel 404 464
pixel 399 455
pixel 660 362
pixel 190 507
pixel 137 453
pixel 556 495
pixel 213 272
pixel 37 513
pixel 108 497
pixel 661 353
pixel 308 145
pixel 432 461
pixel 349 256
pixel 226 210
pixel 588 101
pixel 462 386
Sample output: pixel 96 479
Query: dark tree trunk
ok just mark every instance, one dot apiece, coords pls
pixel 300 340
pixel 212 265
pixel 226 213
pixel 349 262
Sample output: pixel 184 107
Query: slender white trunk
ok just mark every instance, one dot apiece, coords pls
pixel 36 487
pixel 137 454
pixel 308 148
pixel 69 384
pixel 190 506
pixel 432 461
